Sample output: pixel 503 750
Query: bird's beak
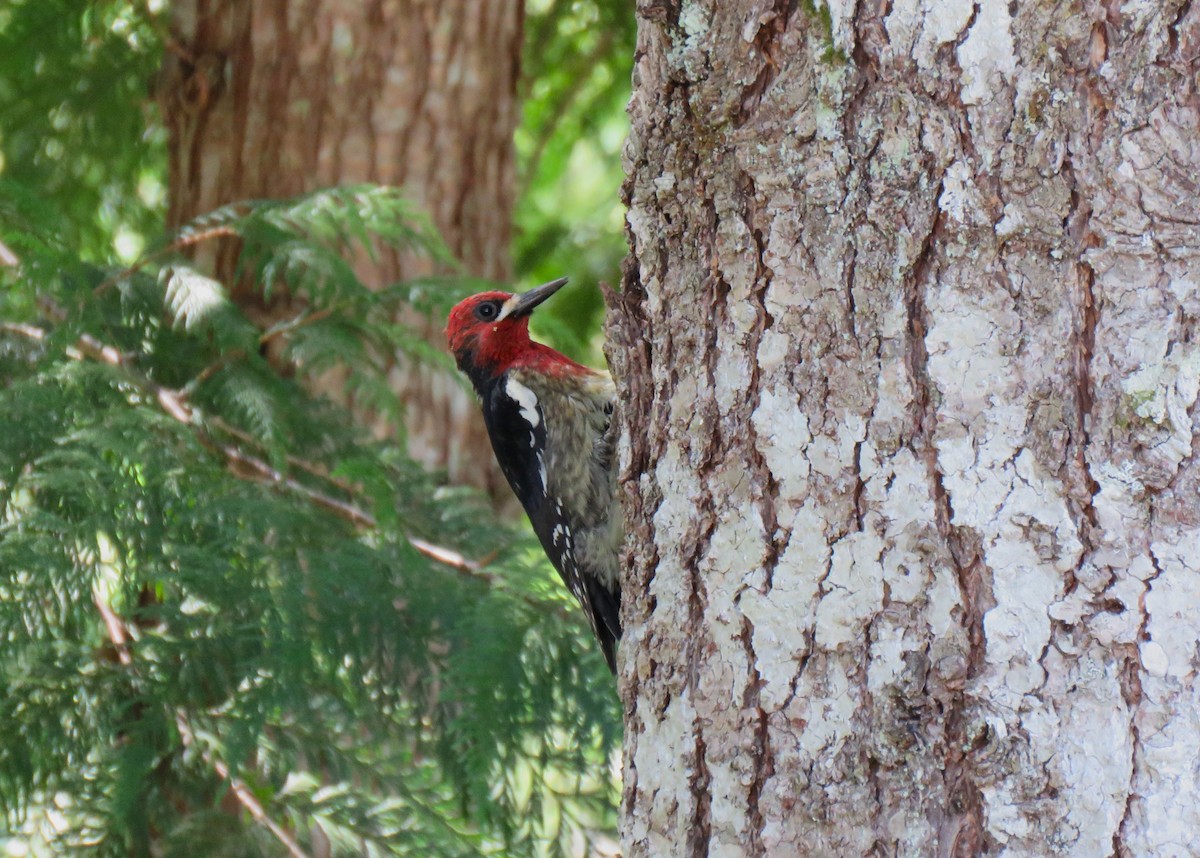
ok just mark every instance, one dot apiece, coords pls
pixel 523 304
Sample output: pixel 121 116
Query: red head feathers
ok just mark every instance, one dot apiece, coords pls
pixel 489 334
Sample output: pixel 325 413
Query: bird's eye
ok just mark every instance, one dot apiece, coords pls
pixel 487 311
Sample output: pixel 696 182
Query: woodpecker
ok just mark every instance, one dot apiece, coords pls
pixel 550 423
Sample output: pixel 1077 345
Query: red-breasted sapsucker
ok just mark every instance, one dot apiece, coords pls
pixel 550 423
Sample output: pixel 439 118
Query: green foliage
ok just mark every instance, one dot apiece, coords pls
pixel 257 549
pixel 209 573
pixel 577 66
pixel 75 83
pixel 79 124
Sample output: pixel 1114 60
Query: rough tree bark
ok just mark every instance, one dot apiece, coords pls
pixel 275 98
pixel 908 350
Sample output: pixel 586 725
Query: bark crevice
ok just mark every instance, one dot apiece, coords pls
pixel 763 761
pixel 1077 226
pixel 962 829
pixel 699 830
pixel 771 25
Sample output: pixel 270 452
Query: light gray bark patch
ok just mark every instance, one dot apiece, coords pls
pixel 766 26
pixel 907 516
pixel 961 831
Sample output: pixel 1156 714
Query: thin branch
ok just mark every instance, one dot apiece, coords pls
pixel 244 796
pixel 178 244
pixel 243 464
pixel 119 635
pixel 28 331
pixel 116 630
pixel 303 319
pixel 212 369
pixel 351 513
pixel 311 468
pixel 246 466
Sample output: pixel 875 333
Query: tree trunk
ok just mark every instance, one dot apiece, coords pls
pixel 909 357
pixel 276 98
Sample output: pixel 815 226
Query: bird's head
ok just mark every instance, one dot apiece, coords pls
pixel 489 332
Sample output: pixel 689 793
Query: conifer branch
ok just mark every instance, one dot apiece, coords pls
pixel 242 792
pixel 243 464
pixel 118 635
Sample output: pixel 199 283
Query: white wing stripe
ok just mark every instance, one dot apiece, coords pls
pixel 526 399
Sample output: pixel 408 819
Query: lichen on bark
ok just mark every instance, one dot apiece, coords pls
pixel 907 354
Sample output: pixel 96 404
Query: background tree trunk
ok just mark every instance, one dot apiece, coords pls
pixel 908 351
pixel 276 98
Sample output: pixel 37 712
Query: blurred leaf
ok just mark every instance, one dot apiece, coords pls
pixel 577 68
pixel 77 121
